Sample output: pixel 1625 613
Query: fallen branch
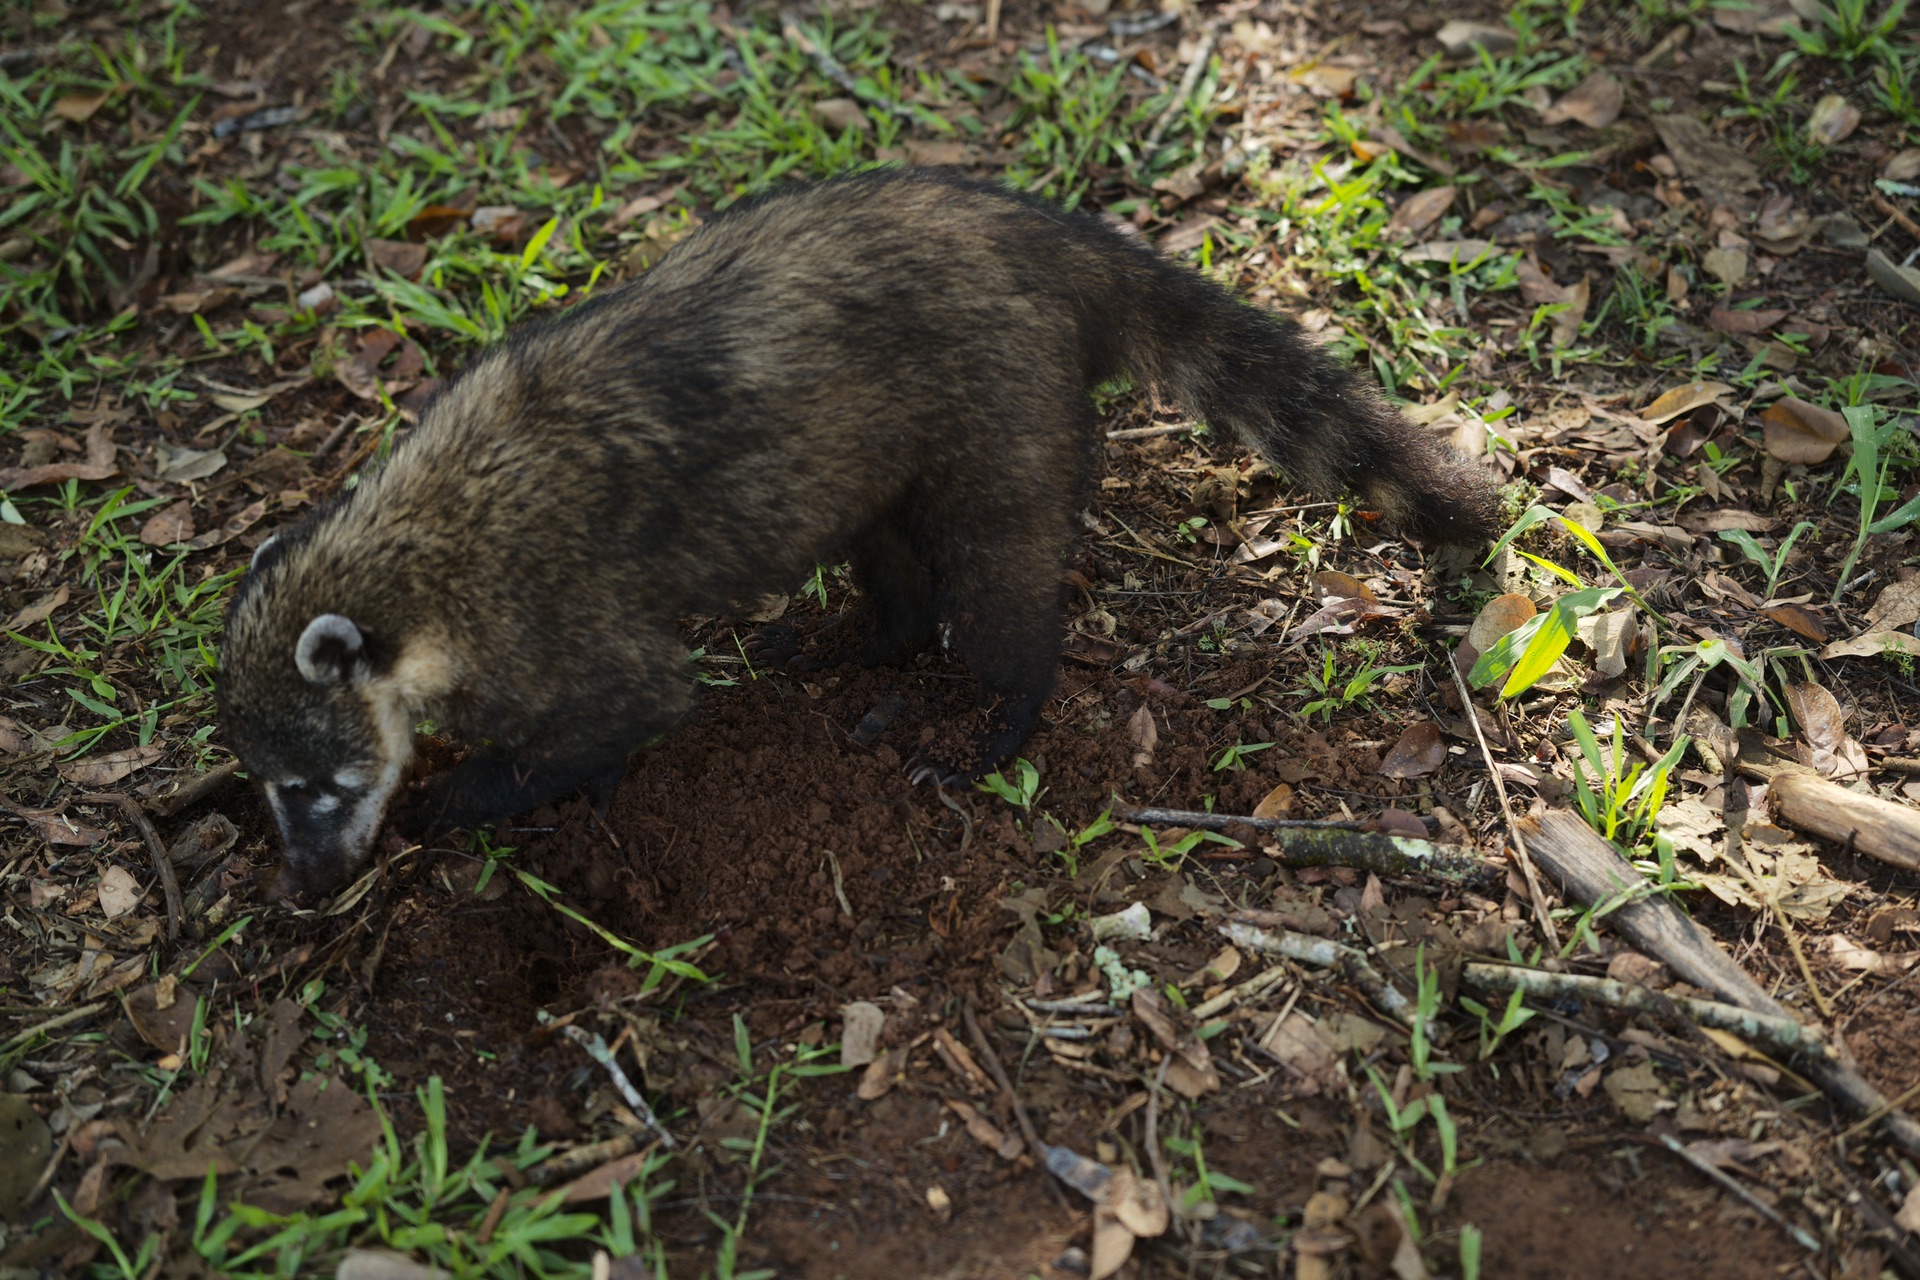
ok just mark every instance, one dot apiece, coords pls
pixel 193 790
pixel 1788 1035
pixel 1299 843
pixel 1590 870
pixel 1878 828
pixel 1245 929
pixel 1188 82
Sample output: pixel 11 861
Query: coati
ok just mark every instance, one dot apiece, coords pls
pixel 891 367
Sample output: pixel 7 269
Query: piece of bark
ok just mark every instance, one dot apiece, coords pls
pixel 1590 870
pixel 1802 798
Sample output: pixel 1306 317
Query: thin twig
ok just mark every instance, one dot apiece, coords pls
pixel 1892 210
pixel 21 1038
pixel 1765 1210
pixel 830 68
pixel 169 885
pixel 1304 843
pixel 988 1056
pixel 1548 934
pixel 597 1049
pixel 1195 70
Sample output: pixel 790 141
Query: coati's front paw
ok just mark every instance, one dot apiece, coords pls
pixel 773 646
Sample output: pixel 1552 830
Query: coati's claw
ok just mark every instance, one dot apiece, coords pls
pixel 935 772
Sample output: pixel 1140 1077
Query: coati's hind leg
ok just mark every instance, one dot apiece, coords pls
pixel 1001 593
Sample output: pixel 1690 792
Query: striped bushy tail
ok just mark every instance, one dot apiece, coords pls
pixel 1255 374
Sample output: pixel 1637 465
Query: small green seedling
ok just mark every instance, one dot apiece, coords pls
pixel 1235 756
pixel 1774 564
pixel 1021 793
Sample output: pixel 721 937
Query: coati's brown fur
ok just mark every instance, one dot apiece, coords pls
pixel 891 367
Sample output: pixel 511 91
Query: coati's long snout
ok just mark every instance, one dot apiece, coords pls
pixel 891 368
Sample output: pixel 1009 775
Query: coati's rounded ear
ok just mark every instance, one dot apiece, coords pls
pixel 260 553
pixel 331 650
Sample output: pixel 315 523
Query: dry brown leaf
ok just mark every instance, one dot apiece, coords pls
pixel 1800 620
pixel 842 114
pixel 1796 431
pixel 860 1034
pixel 1144 735
pixel 1823 726
pixel 106 769
pixel 1330 584
pixel 1873 644
pixel 99 465
pixel 1453 252
pixel 1420 751
pixel 177 464
pixel 401 257
pixel 1898 606
pixel 1497 617
pixel 1684 398
pixel 1735 321
pixel 38 612
pixel 1594 102
pixel 1277 803
pixel 1421 210
pixel 1728 266
pixel 233 528
pixel 1112 1244
pixel 79 107
pixel 168 525
pixel 501 223
pixel 1833 120
pixel 1722 173
pixel 62 830
pixel 1139 1203
pixel 119 892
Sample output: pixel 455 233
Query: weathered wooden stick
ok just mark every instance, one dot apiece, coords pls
pixel 1878 828
pixel 1315 844
pixel 1591 870
pixel 1244 929
pixel 1788 1035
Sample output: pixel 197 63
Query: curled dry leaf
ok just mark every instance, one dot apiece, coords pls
pixel 177 464
pixel 1684 398
pixel 1610 636
pixel 1801 432
pixel 1112 1244
pixel 1594 102
pixel 401 257
pixel 1833 119
pixel 1904 167
pixel 1139 1203
pixel 1735 321
pixel 79 107
pixel 1823 726
pixel 1796 431
pixel 1873 644
pixel 1898 605
pixel 105 770
pixel 1800 620
pixel 860 1034
pixel 169 524
pixel 1330 584
pixel 1452 252
pixel 1728 266
pixel 1420 751
pixel 1144 735
pixel 1277 803
pixel 39 611
pixel 119 892
pixel 1421 210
